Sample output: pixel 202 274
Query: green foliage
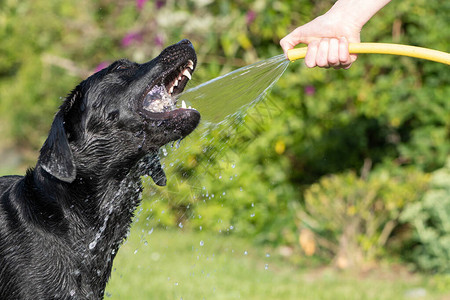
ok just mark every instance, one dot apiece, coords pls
pixel 431 221
pixel 257 193
pixel 356 216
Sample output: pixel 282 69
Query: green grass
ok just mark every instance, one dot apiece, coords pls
pixel 195 265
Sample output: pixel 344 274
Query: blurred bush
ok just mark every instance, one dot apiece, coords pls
pixel 308 141
pixel 430 219
pixel 353 217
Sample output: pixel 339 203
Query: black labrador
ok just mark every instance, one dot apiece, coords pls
pixel 62 223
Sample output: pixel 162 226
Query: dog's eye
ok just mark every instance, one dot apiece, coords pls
pixel 121 67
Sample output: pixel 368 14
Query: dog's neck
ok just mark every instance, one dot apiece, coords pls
pixel 102 208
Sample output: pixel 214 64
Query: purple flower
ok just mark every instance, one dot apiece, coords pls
pixel 131 38
pixel 250 17
pixel 140 4
pixel 160 3
pixel 101 66
pixel 159 40
pixel 310 90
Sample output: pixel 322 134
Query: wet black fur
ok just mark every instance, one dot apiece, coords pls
pixel 62 223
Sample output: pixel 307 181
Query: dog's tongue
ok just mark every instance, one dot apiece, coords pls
pixel 157 100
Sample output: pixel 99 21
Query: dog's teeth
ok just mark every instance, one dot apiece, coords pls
pixel 175 83
pixel 171 89
pixel 190 107
pixel 191 64
pixel 183 104
pixel 187 74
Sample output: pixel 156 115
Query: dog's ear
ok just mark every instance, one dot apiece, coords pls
pixel 56 158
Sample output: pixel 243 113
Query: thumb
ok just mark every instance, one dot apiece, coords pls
pixel 299 35
pixel 286 44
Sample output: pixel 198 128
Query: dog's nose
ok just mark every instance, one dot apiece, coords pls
pixel 185 42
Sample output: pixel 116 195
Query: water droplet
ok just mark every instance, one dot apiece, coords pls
pixel 72 293
pixel 233 166
pixel 92 245
pixel 252 215
pixel 180 225
pixel 135 251
pixel 245 252
pixel 150 231
pixel 155 256
pixel 266 266
pixel 202 243
pixel 267 255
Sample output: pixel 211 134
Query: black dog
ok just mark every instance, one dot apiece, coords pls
pixel 62 223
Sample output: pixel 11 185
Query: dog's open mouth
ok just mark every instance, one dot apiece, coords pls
pixel 160 97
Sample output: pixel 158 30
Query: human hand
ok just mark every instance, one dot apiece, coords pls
pixel 327 37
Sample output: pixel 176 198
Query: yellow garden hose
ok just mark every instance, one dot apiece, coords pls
pixel 381 48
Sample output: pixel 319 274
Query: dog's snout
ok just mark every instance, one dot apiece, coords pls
pixel 179 52
pixel 185 42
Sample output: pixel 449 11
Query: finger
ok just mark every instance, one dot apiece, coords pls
pixel 344 56
pixel 292 39
pixel 346 59
pixel 322 53
pixel 310 57
pixel 286 44
pixel 333 53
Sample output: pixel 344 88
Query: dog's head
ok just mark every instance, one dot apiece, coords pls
pixel 120 114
